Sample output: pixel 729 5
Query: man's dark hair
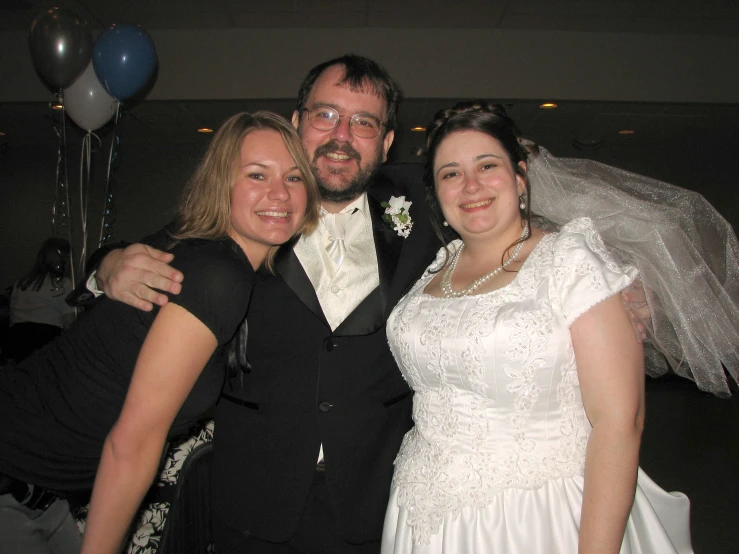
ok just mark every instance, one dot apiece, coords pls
pixel 358 73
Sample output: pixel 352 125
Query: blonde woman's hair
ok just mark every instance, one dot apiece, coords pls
pixel 204 208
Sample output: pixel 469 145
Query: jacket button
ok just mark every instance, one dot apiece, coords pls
pixel 329 345
pixel 325 407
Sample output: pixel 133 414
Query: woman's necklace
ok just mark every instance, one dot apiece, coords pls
pixel 446 279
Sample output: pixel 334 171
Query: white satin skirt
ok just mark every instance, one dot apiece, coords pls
pixel 545 521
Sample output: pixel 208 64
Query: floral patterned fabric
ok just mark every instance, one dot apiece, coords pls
pixel 152 516
pixel 496 459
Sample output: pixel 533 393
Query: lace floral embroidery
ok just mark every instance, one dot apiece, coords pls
pixel 528 337
pixel 488 371
pixel 571 452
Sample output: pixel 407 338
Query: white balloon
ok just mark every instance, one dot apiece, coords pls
pixel 87 103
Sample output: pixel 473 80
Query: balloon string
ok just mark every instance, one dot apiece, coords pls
pixel 108 201
pixel 60 221
pixel 66 193
pixel 66 190
pixel 55 207
pixel 85 159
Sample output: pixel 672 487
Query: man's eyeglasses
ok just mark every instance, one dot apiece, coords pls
pixel 362 125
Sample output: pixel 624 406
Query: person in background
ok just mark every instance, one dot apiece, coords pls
pixel 38 310
pixel 81 297
pixel 98 404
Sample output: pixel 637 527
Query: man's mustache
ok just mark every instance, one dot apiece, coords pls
pixel 335 146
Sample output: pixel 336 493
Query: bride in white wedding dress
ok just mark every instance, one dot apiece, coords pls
pixel 528 379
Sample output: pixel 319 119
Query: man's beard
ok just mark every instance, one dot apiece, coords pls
pixel 357 185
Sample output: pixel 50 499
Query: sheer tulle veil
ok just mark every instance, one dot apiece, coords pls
pixel 686 252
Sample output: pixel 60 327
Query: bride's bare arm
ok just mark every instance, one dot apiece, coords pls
pixel 610 366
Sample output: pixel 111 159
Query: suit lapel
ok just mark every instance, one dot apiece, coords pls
pixel 371 312
pixel 365 318
pixel 292 272
pixel 388 246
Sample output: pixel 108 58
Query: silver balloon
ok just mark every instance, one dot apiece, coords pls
pixel 61 47
pixel 87 103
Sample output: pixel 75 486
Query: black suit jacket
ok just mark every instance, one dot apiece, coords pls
pixel 308 386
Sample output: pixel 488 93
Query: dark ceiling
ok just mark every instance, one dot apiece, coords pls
pixel 605 16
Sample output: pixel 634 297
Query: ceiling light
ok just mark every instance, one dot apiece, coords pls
pixel 548 106
pixel 57 106
pixel 205 130
pixel 626 132
pixel 418 129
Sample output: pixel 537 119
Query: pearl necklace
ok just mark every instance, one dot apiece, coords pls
pixel 446 279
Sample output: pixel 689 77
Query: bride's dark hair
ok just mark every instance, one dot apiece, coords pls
pixel 485 117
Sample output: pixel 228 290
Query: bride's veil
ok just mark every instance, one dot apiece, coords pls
pixel 686 252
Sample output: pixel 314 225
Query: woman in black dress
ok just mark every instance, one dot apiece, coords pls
pixel 99 403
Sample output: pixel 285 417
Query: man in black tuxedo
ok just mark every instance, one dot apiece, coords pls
pixel 306 435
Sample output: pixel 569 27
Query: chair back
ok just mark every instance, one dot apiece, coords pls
pixel 188 526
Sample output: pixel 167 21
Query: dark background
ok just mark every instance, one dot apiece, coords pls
pixel 666 70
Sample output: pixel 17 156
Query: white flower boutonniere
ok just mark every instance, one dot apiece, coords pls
pixel 396 215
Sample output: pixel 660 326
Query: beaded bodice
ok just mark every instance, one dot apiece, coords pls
pixel 497 401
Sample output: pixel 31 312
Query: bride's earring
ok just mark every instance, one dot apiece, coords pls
pixel 445 224
pixel 521 203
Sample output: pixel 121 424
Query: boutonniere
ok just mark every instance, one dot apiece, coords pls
pixel 396 215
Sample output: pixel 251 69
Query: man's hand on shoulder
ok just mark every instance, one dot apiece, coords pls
pixel 131 274
pixel 635 299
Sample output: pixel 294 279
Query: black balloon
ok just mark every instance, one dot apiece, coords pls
pixel 61 47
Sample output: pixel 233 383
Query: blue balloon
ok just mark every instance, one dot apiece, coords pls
pixel 124 58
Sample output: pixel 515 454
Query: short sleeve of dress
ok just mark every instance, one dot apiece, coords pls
pixel 584 272
pixel 217 285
